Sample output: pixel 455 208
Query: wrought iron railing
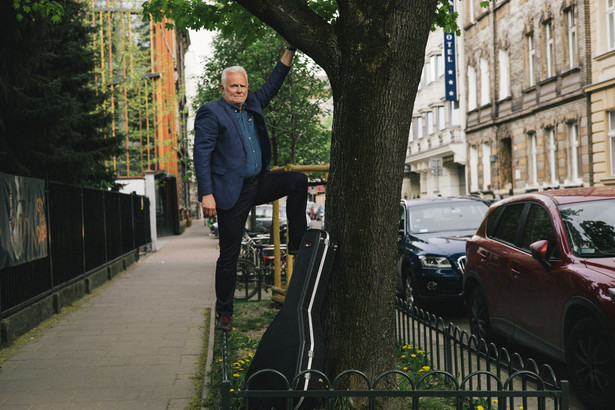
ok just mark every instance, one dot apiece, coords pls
pixel 469 372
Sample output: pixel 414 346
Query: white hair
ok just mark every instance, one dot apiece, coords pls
pixel 233 69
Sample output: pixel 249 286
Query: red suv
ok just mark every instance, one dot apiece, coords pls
pixel 541 272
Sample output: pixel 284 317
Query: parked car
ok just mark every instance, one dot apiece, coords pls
pixel 432 244
pixel 541 273
pixel 264 218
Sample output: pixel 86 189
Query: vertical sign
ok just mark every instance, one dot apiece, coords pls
pixel 450 72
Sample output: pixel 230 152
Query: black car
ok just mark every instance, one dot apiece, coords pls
pixel 432 246
pixel 264 219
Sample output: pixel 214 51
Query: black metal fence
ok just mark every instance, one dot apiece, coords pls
pixel 469 373
pixel 87 229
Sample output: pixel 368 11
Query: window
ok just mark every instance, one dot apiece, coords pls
pixel 531 60
pixel 422 78
pixel 574 152
pixel 441 118
pixel 550 49
pixel 484 81
pixel 470 6
pixel 419 127
pixel 428 73
pixel 504 74
pixel 439 65
pixel 429 122
pixel 612 140
pixel 411 133
pixel 454 113
pixel 539 227
pixel 486 167
pixel 552 157
pixel 610 23
pixel 471 88
pixel 571 23
pixel 434 68
pixel 473 169
pixel 533 177
pixel 508 224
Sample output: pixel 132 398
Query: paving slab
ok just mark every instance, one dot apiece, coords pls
pixel 133 343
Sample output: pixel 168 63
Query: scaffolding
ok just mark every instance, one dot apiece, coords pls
pixel 141 65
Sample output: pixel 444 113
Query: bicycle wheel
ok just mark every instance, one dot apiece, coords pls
pixel 248 280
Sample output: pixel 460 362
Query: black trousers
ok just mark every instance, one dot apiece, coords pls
pixel 266 188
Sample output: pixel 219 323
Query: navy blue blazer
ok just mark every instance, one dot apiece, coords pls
pixel 219 152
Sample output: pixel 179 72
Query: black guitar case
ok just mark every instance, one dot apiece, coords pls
pixel 293 342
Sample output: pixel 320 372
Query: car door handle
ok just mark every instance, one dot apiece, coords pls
pixel 515 273
pixel 482 254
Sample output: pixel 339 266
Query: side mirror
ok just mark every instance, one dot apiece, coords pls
pixel 540 252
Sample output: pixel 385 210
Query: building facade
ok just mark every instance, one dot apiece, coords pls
pixel 527 113
pixel 602 90
pixel 141 65
pixel 436 155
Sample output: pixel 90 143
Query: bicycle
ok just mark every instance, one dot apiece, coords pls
pixel 255 270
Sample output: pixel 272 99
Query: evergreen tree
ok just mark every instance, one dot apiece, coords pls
pixel 52 121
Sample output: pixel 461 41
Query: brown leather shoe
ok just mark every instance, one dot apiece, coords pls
pixel 225 322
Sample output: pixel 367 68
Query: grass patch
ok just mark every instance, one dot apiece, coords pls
pixel 251 319
pixel 199 378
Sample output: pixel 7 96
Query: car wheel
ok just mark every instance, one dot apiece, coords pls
pixel 590 358
pixel 478 313
pixel 410 293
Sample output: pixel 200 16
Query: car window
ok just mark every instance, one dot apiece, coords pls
pixel 492 221
pixel 506 229
pixel 590 227
pixel 402 219
pixel 538 226
pixel 447 216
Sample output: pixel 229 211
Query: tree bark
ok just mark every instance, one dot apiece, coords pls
pixel 373 56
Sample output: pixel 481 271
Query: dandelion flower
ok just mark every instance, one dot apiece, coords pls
pixel 403 356
pixel 412 355
pixel 479 408
pixel 250 354
pixel 232 389
pixel 236 375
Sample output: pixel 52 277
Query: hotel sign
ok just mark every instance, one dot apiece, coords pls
pixel 450 72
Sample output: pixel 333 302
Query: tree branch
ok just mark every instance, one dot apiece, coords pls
pixel 300 26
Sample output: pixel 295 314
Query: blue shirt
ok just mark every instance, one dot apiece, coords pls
pixel 251 141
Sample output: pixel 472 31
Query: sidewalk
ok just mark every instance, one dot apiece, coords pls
pixel 134 343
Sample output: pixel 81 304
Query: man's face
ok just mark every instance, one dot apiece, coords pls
pixel 235 91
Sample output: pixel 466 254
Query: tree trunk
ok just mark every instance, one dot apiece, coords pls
pixel 373 90
pixel 373 56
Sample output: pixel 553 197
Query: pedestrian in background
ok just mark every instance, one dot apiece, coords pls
pixel 232 152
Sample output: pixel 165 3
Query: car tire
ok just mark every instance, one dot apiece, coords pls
pixel 410 294
pixel 590 357
pixel 478 315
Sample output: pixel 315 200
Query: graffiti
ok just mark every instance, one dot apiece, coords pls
pixel 23 221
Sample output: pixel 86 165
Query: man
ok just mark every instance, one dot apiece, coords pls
pixel 232 152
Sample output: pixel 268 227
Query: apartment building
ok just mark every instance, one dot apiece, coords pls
pixel 527 113
pixel 601 91
pixel 436 155
pixel 141 66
